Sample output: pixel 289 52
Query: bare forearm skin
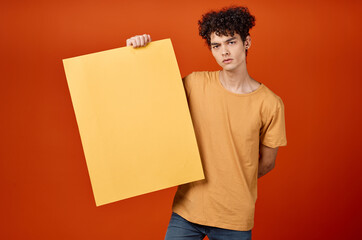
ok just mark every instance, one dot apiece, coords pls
pixel 266 159
pixel 264 169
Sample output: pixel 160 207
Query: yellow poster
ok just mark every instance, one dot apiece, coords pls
pixel 133 119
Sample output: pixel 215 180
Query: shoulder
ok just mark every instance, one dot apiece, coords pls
pixel 198 78
pixel 200 75
pixel 271 102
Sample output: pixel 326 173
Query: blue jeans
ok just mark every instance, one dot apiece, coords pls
pixel 181 229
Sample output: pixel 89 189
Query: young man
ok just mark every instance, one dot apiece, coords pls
pixel 239 125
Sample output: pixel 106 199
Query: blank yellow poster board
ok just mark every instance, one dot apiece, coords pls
pixel 133 119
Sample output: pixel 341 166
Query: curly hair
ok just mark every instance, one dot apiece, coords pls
pixel 226 22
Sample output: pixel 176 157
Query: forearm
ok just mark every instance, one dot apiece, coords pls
pixel 264 168
pixel 267 156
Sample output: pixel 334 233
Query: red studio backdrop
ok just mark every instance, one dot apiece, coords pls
pixel 307 52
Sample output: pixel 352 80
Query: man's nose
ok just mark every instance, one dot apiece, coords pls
pixel 225 51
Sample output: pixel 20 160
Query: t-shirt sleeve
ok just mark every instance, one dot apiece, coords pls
pixel 272 132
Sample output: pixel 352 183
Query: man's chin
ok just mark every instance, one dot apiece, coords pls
pixel 228 68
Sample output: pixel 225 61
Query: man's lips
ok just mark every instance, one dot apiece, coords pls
pixel 228 60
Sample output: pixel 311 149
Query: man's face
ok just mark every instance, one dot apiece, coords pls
pixel 228 51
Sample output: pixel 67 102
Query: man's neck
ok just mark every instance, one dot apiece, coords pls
pixel 238 81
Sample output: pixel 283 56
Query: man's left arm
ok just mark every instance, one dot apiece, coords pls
pixel 266 159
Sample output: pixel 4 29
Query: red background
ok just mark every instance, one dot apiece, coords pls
pixel 307 52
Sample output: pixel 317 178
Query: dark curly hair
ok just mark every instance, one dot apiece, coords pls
pixel 225 22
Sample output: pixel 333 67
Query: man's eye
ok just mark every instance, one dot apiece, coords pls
pixel 232 42
pixel 215 46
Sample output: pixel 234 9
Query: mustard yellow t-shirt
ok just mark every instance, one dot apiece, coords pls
pixel 228 128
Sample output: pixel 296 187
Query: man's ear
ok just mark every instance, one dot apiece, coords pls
pixel 247 42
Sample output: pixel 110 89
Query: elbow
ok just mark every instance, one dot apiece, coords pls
pixel 268 163
pixel 270 167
